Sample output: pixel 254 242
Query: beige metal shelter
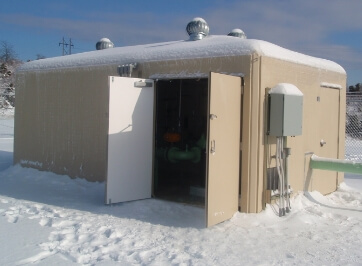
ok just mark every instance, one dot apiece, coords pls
pixel 184 120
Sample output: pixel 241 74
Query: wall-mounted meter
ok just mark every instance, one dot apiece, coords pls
pixel 285 110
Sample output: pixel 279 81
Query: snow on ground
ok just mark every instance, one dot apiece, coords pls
pixel 48 219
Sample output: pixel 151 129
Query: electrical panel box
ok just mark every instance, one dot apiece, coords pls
pixel 285 111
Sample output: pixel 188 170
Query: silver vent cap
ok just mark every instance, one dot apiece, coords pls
pixel 197 29
pixel 237 33
pixel 104 43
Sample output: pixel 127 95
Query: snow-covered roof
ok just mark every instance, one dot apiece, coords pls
pixel 211 46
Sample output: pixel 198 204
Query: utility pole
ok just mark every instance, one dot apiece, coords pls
pixel 70 46
pixel 64 45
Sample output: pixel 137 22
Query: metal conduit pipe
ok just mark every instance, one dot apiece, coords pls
pixel 279 165
pixel 337 165
pixel 282 170
pixel 286 155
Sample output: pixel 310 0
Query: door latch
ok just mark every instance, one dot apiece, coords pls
pixel 213 147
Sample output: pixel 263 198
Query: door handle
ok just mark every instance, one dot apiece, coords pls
pixel 213 147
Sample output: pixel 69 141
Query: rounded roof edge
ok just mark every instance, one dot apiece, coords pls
pixel 211 46
pixel 275 51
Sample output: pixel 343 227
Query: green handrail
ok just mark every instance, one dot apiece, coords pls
pixel 175 154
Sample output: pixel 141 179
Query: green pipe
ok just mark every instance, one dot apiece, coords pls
pixel 175 154
pixel 337 165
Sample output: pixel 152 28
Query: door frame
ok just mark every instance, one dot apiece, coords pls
pixel 227 214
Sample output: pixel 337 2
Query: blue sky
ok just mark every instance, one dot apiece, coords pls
pixel 329 29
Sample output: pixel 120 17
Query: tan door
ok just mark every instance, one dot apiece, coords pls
pixel 223 148
pixel 130 139
pixel 328 115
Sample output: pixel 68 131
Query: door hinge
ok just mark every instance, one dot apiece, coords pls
pixel 213 116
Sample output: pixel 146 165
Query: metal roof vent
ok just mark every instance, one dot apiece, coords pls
pixel 237 33
pixel 197 29
pixel 104 43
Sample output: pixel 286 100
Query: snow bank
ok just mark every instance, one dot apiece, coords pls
pixel 212 46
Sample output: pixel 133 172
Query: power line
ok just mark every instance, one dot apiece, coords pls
pixel 70 46
pixel 64 45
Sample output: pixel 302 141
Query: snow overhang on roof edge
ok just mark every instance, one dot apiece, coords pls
pixel 211 46
pixel 188 75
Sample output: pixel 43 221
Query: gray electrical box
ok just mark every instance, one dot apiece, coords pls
pixel 285 110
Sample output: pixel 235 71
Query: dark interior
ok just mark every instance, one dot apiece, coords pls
pixel 180 140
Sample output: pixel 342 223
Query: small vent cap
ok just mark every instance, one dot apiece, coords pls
pixel 197 29
pixel 104 43
pixel 237 33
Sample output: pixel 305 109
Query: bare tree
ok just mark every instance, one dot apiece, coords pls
pixel 40 56
pixel 7 52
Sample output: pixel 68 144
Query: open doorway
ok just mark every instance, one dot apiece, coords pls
pixel 189 114
pixel 180 140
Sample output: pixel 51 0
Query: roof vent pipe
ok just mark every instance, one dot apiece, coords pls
pixel 197 29
pixel 237 33
pixel 104 43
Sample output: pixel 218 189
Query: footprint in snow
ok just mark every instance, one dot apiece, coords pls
pixel 32 210
pixel 13 218
pixel 46 222
pixel 108 233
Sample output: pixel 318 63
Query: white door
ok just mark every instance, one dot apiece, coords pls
pixel 223 159
pixel 130 139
